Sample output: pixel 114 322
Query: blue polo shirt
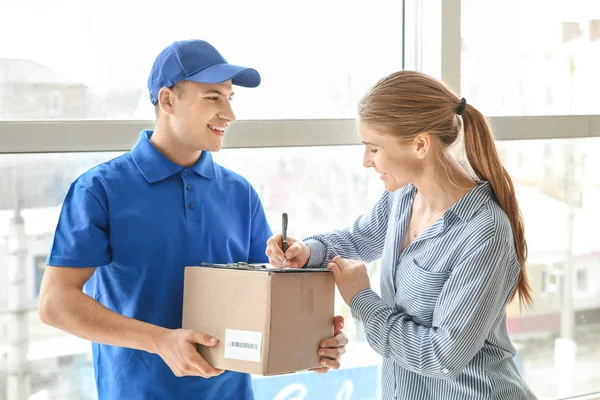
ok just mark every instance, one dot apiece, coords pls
pixel 141 219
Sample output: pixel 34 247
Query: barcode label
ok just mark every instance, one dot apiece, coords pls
pixel 243 345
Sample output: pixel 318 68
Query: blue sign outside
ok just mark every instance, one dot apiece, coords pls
pixel 361 383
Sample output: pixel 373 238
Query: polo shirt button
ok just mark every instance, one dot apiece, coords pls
pixel 445 370
pixel 184 173
pixel 188 186
pixel 191 206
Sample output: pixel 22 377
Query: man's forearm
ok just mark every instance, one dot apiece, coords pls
pixel 77 313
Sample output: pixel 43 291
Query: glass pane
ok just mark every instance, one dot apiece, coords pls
pixel 558 188
pixel 316 190
pixel 531 57
pixel 69 59
pixel 33 186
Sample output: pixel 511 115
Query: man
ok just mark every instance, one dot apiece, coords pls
pixel 129 226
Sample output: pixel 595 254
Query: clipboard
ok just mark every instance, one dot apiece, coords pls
pixel 262 267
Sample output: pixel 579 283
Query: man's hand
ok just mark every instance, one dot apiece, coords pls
pixel 177 347
pixel 331 349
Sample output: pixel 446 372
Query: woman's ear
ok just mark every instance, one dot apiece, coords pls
pixel 422 145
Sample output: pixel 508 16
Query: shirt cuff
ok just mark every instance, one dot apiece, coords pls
pixel 317 253
pixel 364 303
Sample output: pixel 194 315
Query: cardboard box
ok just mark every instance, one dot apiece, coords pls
pixel 268 321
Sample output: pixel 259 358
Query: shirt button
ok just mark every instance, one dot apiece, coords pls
pixel 445 371
pixel 188 186
pixel 191 206
pixel 184 173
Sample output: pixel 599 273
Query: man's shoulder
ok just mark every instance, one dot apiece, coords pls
pixel 233 180
pixel 100 175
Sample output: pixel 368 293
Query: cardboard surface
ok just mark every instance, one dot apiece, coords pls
pixel 268 321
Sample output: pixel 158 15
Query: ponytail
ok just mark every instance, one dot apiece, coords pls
pixel 407 103
pixel 484 159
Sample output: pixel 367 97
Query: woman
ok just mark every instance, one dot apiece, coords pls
pixel 450 237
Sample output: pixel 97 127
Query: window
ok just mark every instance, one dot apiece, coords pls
pixel 318 192
pixel 531 57
pixel 582 280
pixel 551 280
pixel 314 61
pixel 558 189
pixel 39 264
pixel 315 66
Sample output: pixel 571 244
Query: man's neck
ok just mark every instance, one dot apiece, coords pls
pixel 165 141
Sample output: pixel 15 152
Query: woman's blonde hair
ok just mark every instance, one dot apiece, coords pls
pixel 408 103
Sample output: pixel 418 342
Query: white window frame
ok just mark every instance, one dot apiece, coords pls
pixel 82 136
pixel 431 43
pixel 436 53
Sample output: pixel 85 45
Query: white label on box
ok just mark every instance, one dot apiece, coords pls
pixel 243 345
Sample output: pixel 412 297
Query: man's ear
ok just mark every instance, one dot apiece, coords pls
pixel 166 98
pixel 422 145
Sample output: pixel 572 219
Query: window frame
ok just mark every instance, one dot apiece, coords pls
pixel 436 52
pixel 98 136
pixel 431 43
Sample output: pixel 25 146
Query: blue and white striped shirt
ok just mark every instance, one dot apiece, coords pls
pixel 441 324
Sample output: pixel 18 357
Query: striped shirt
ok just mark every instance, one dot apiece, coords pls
pixel 440 324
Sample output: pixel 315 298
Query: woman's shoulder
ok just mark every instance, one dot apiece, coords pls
pixel 490 226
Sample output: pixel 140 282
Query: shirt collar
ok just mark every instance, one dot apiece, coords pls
pixel 467 205
pixel 156 167
pixel 471 202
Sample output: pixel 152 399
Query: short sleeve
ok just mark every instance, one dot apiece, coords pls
pixel 82 233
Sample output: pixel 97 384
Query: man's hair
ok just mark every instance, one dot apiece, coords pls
pixel 177 90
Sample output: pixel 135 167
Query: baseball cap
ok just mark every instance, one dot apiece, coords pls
pixel 198 61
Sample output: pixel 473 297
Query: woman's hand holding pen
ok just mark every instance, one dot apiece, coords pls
pixel 296 256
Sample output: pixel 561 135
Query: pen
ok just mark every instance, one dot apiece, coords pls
pixel 284 243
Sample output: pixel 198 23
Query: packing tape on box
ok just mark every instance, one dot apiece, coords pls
pixel 305 354
pixel 307 295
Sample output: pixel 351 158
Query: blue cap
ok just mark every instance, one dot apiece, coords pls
pixel 198 61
